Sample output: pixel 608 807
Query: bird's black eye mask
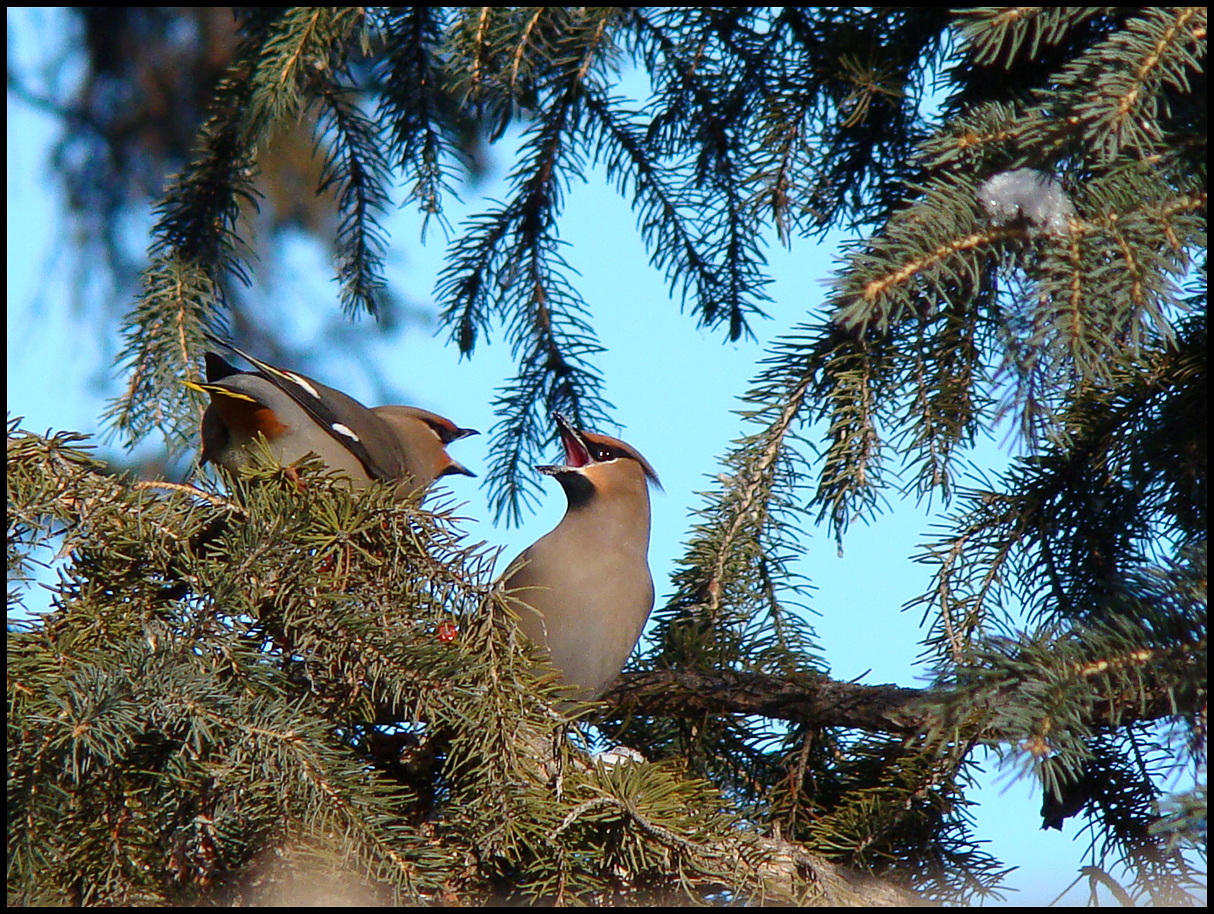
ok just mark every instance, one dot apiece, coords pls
pixel 604 452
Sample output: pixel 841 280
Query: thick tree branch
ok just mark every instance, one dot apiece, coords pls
pixel 818 701
pixel 814 700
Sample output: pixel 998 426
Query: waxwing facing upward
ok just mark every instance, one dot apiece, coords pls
pixel 584 591
pixel 298 416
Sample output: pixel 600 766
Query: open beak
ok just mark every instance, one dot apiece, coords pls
pixel 576 453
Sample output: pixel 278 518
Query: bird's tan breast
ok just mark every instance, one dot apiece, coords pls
pixel 588 594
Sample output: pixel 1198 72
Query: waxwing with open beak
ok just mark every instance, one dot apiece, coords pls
pixel 584 591
pixel 297 416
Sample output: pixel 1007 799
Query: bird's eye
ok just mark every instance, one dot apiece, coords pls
pixel 603 453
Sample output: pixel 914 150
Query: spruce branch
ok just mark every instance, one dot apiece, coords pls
pixel 665 222
pixel 293 672
pixel 163 331
pixel 356 165
pixel 508 265
pixel 1010 32
pixel 1157 51
pixel 416 105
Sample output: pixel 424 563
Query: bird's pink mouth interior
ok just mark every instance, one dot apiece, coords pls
pixel 576 454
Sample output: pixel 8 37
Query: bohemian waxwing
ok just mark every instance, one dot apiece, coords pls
pixel 297 415
pixel 423 437
pixel 584 591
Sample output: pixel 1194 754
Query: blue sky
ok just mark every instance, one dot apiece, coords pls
pixel 674 388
